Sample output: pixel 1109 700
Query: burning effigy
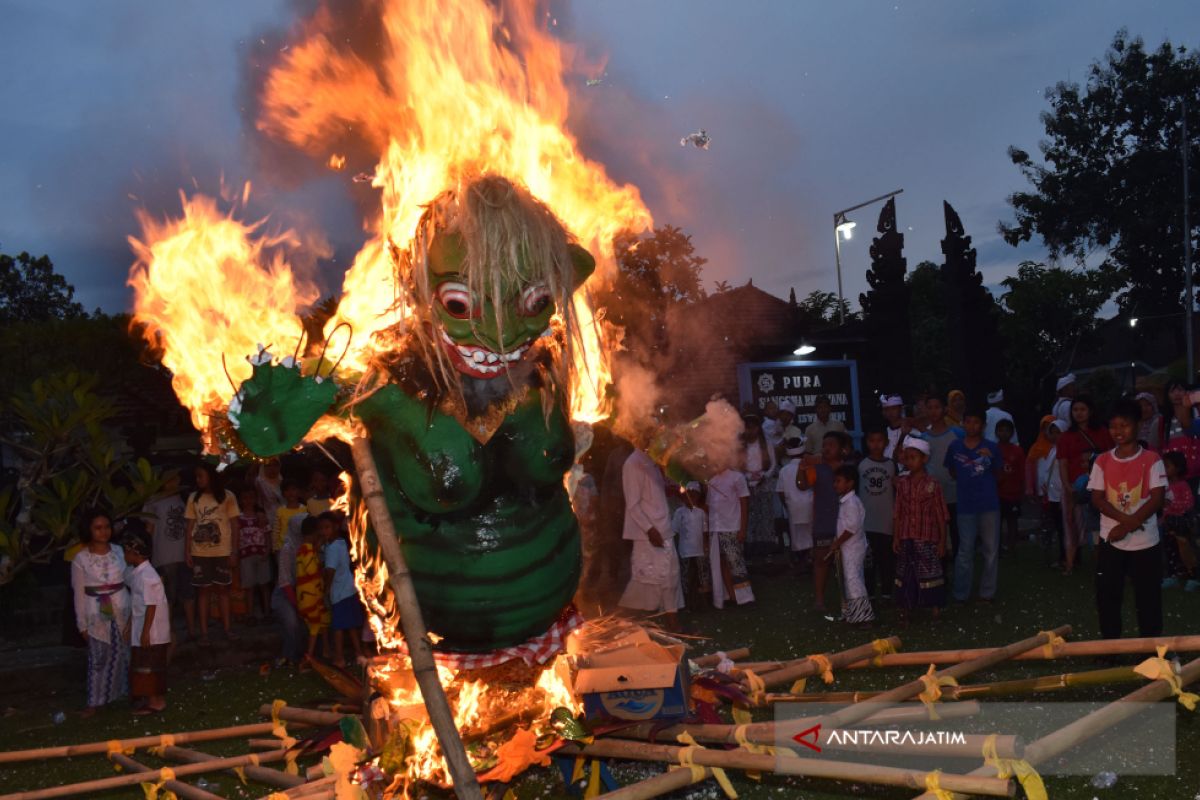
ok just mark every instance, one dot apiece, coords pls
pixel 465 348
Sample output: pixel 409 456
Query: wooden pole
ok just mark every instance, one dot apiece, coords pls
pixel 265 775
pixel 313 787
pixel 809 767
pixel 93 748
pixel 806 667
pixel 92 787
pixel 184 790
pixel 713 659
pixel 657 786
pixel 1060 741
pixel 420 651
pixel 305 716
pixel 1092 647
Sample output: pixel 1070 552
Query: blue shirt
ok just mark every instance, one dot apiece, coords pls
pixel 337 558
pixel 975 470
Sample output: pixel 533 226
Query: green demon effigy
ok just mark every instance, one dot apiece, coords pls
pixel 466 409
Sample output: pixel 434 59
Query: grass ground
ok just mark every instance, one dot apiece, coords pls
pixel 780 625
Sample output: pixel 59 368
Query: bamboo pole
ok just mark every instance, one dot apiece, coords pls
pixel 808 767
pixel 89 787
pixel 770 732
pixel 848 715
pixel 1091 647
pixel 1042 683
pixel 420 651
pixel 93 748
pixel 313 787
pixel 266 775
pixel 1060 741
pixel 713 659
pixel 305 716
pixel 806 667
pixel 657 786
pixel 184 790
pixel 725 734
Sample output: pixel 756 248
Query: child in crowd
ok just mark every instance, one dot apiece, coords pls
pixel 284 601
pixel 310 588
pixel 728 498
pixel 850 548
pixel 690 525
pixel 319 499
pixel 919 537
pixel 974 463
pixel 1128 484
pixel 150 634
pixel 1010 483
pixel 212 535
pixel 797 502
pixel 1050 489
pixel 877 490
pixel 834 450
pixel 283 515
pixel 347 610
pixel 1177 524
pixel 254 562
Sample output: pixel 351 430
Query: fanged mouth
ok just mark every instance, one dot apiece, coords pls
pixel 480 362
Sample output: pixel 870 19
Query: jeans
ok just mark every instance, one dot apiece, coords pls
pixel 291 626
pixel 984 527
pixel 1143 568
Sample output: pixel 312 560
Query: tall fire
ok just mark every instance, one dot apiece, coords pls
pixel 461 104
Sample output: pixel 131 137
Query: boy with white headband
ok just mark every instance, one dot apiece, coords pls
pixel 919 534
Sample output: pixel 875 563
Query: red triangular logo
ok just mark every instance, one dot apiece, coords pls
pixel 803 737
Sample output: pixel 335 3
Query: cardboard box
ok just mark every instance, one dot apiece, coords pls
pixel 633 677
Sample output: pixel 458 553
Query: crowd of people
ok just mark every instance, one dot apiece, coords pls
pixel 921 513
pixel 916 514
pixel 271 547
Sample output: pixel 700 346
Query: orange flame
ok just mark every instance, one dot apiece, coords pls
pixel 211 288
pixel 451 88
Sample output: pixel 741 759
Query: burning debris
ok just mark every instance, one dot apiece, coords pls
pixel 699 139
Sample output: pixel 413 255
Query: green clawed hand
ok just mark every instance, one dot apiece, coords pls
pixel 277 406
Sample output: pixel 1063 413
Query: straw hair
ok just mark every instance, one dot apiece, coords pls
pixel 508 237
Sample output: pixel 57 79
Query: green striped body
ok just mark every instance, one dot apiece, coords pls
pixel 487 529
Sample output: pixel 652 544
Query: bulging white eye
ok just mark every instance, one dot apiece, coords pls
pixel 535 300
pixel 456 299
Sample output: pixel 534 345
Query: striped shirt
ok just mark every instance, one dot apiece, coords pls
pixel 920 509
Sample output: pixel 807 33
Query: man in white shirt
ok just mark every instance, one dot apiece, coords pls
pixel 654 580
pixel 797 501
pixel 728 518
pixel 995 413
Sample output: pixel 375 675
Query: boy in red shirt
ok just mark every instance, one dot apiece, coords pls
pixel 1128 485
pixel 1010 483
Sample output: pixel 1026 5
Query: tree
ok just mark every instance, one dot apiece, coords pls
pixel 1112 172
pixel 820 310
pixel 654 273
pixel 68 461
pixel 31 291
pixel 1049 311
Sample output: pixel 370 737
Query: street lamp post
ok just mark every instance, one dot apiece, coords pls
pixel 842 227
